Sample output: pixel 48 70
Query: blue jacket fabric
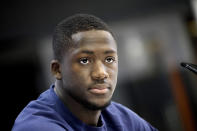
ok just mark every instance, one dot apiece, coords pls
pixel 48 113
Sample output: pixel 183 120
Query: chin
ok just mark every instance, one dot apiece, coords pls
pixel 91 103
pixel 96 106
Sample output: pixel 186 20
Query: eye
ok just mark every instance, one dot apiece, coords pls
pixel 84 61
pixel 109 60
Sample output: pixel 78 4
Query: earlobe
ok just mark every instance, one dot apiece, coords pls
pixel 56 69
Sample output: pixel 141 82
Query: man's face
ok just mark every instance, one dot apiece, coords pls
pixel 89 69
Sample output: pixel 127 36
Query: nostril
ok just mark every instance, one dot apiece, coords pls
pixel 100 76
pixel 99 71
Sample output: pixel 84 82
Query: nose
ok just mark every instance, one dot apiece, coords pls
pixel 99 71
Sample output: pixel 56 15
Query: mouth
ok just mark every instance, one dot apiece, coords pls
pixel 99 89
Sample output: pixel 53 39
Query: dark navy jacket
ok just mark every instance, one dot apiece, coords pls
pixel 48 113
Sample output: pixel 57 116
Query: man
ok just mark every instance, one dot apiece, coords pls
pixel 85 66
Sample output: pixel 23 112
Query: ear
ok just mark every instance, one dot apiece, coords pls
pixel 56 69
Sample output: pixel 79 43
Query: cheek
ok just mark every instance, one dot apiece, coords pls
pixel 80 73
pixel 113 70
pixel 113 74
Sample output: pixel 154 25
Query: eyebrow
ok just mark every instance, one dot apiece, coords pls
pixel 91 52
pixel 87 52
pixel 109 52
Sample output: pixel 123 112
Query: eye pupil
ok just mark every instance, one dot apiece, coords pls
pixel 109 60
pixel 84 61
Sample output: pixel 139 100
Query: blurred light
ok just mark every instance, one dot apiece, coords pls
pixel 137 57
pixel 194 6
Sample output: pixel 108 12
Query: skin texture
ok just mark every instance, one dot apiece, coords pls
pixel 87 75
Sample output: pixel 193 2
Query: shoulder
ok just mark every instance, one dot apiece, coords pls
pixel 126 118
pixel 121 110
pixel 37 125
pixel 39 115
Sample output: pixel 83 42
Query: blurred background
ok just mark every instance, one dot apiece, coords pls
pixel 153 37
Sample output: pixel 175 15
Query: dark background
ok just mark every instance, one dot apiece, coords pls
pixel 24 25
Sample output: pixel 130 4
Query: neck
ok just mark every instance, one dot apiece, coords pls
pixel 87 116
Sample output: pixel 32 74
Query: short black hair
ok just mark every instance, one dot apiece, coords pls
pixel 71 25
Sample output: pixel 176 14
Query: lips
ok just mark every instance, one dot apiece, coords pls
pixel 99 89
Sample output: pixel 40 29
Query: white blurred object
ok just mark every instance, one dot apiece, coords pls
pixel 136 55
pixel 194 6
pixel 152 44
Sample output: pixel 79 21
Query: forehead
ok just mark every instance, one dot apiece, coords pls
pixel 93 38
